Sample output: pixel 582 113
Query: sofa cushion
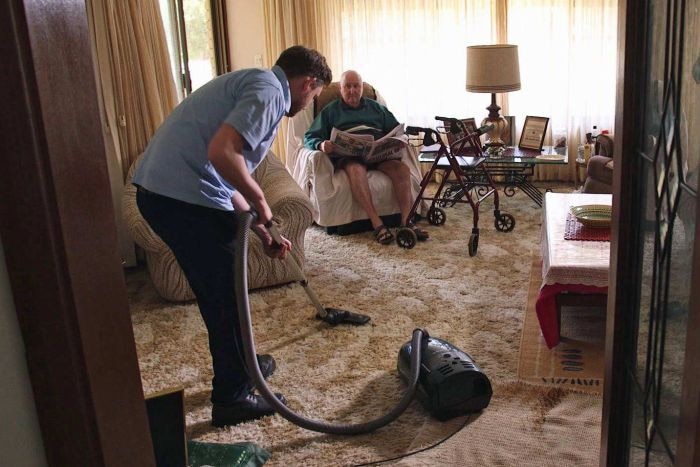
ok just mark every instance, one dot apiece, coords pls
pixel 598 169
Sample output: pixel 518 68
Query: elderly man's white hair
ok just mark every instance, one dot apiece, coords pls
pixel 350 73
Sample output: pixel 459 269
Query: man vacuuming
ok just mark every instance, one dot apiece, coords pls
pixel 195 173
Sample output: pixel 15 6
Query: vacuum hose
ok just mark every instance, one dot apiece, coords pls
pixel 241 288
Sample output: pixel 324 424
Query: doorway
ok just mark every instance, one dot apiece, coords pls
pixel 650 379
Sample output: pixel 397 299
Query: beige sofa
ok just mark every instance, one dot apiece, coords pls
pixel 290 206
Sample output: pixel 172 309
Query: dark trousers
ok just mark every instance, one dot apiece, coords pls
pixel 203 242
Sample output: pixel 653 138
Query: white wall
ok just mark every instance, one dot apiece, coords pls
pixel 246 33
pixel 20 438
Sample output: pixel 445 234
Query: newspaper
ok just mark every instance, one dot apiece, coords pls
pixel 353 143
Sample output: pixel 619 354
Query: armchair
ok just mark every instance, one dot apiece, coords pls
pixel 290 207
pixel 333 205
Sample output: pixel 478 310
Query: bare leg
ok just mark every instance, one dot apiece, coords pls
pixel 400 177
pixel 359 186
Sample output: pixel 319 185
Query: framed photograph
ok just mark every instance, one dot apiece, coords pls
pixel 509 136
pixel 469 124
pixel 533 133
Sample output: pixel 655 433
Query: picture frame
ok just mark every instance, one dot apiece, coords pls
pixel 508 137
pixel 534 130
pixel 470 125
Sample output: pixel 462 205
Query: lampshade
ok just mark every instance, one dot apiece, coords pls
pixel 493 68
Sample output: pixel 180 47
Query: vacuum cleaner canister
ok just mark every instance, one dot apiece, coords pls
pixel 450 382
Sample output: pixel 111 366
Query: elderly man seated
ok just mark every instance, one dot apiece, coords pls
pixel 350 111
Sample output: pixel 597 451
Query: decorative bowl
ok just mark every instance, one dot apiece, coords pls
pixel 597 216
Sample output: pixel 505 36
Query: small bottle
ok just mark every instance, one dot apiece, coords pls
pixel 594 138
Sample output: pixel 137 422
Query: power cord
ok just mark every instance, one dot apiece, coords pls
pixel 427 448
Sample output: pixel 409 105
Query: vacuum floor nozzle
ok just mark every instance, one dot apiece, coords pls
pixel 335 316
pixel 450 382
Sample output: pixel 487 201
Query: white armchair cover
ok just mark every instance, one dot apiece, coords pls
pixel 328 190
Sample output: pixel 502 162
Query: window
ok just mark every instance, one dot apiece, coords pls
pixel 567 53
pixel 197 41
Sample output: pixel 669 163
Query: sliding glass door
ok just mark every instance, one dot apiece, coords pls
pixel 197 41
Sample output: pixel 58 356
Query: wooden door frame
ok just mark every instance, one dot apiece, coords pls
pixel 617 406
pixel 625 262
pixel 58 231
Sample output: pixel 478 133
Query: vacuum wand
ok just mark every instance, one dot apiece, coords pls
pixel 331 316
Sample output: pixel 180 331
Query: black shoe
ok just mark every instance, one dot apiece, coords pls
pixel 245 410
pixel 267 365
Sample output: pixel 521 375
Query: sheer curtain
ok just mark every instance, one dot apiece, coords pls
pixel 288 23
pixel 134 70
pixel 135 88
pixel 568 65
pixel 413 52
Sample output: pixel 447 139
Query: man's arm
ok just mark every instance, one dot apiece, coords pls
pixel 226 155
pixel 318 132
pixel 272 249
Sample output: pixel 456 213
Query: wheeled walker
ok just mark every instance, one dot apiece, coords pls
pixel 471 182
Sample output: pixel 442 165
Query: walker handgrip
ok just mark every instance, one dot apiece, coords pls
pixel 451 120
pixel 455 125
pixel 414 130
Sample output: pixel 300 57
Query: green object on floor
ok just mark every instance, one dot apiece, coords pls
pixel 225 455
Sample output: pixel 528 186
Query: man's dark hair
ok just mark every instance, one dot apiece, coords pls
pixel 300 61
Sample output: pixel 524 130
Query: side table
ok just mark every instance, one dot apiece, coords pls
pixel 513 169
pixel 581 267
pixel 580 164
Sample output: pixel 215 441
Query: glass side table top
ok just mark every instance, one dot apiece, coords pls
pixel 511 155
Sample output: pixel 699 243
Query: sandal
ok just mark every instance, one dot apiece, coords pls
pixel 383 235
pixel 421 235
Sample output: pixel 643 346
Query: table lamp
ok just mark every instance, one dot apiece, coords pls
pixel 493 68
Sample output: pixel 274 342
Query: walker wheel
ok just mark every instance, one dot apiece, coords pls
pixel 436 216
pixel 406 238
pixel 504 222
pixel 473 244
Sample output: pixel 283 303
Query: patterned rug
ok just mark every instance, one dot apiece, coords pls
pixel 578 362
pixel 348 374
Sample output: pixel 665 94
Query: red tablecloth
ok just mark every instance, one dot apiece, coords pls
pixel 546 307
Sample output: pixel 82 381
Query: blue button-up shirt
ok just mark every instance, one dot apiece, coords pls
pixel 176 164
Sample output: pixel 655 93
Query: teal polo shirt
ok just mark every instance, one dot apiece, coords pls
pixel 175 162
